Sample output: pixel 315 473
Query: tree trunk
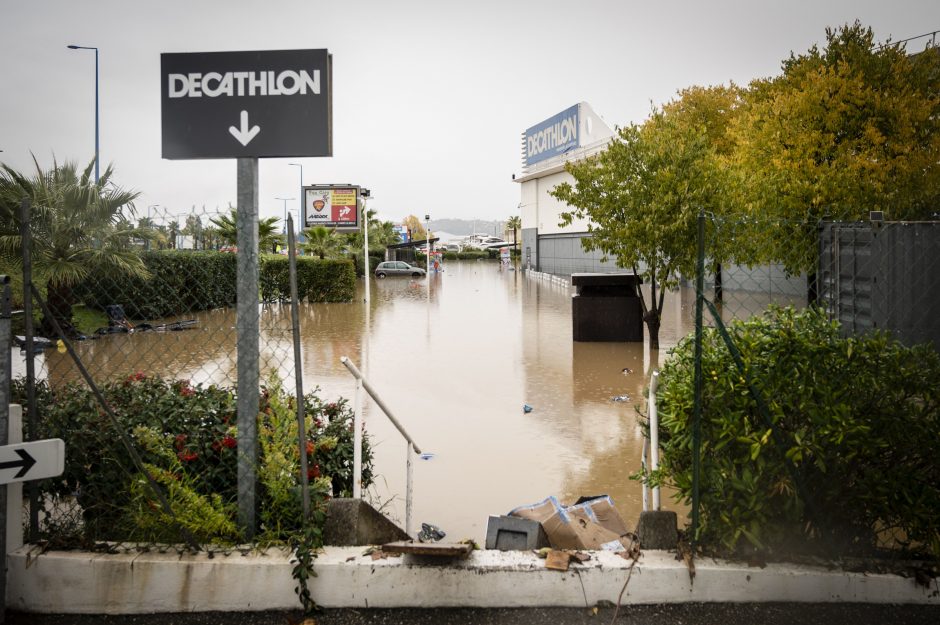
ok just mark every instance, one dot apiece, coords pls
pixel 60 305
pixel 652 316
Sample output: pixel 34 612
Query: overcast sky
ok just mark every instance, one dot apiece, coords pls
pixel 430 96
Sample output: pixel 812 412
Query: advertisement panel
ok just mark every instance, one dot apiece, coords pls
pixel 332 206
pixel 556 135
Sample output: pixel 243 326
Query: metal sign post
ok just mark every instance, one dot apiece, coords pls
pixel 247 105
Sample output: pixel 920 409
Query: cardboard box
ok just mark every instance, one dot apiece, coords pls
pixel 591 524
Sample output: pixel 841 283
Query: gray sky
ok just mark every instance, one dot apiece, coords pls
pixel 430 96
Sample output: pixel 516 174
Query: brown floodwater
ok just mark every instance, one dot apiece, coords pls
pixel 455 368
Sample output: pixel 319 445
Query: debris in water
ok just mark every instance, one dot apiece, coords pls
pixel 526 408
pixel 620 398
pixel 430 533
pixel 626 370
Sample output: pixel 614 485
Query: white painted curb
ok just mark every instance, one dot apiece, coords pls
pixel 81 582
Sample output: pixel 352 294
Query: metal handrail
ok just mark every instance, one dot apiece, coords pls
pixel 362 383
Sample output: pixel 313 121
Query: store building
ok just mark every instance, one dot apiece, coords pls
pixel 571 135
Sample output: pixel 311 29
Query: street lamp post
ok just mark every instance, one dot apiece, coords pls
pixel 285 200
pixel 366 194
pixel 427 252
pixel 74 47
pixel 300 203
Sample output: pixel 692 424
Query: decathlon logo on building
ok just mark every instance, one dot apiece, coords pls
pixel 265 83
pixel 556 135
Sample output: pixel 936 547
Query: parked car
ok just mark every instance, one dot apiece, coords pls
pixel 397 268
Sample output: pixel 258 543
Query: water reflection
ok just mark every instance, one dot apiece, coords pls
pixel 455 356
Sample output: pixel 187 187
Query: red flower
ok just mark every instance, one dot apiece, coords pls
pixel 310 447
pixel 187 456
pixel 313 472
pixel 180 441
pixel 229 442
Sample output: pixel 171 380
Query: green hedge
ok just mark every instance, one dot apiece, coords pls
pixel 182 282
pixel 317 280
pixel 858 417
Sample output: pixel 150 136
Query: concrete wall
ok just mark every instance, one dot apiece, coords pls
pixel 76 582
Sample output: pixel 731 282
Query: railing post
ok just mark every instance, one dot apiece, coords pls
pixel 357 442
pixel 654 434
pixel 409 482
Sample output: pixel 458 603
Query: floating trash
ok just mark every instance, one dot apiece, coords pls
pixel 426 456
pixel 620 398
pixel 526 408
pixel 430 533
pixel 626 371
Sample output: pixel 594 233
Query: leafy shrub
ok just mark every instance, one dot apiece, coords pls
pixel 317 280
pixel 187 438
pixel 858 417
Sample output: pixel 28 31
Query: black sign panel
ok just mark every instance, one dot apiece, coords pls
pixel 272 103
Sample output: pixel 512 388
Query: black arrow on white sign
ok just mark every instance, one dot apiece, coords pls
pixel 26 463
pixel 244 134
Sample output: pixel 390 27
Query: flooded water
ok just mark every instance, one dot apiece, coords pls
pixel 455 366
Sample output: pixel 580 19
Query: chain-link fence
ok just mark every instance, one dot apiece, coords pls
pixel 803 414
pixel 132 359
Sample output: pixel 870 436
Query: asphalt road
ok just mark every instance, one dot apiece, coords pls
pixel 673 614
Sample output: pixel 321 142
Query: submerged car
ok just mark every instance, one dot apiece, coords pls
pixel 397 268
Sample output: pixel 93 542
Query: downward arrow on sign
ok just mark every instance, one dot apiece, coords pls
pixel 244 134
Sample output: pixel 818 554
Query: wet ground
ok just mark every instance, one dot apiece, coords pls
pixel 455 363
pixel 688 614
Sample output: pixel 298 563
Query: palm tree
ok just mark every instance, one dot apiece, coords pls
pixel 77 227
pixel 322 242
pixel 268 235
pixel 515 223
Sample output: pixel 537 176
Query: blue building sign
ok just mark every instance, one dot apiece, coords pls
pixel 556 135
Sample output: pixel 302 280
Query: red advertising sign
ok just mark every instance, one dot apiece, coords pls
pixel 332 206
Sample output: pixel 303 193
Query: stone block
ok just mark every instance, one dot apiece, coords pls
pixel 508 533
pixel 657 530
pixel 352 522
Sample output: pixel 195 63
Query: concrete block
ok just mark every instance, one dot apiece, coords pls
pixel 354 522
pixel 508 533
pixel 657 530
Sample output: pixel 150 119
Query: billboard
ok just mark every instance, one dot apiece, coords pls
pixel 331 206
pixel 556 135
pixel 270 103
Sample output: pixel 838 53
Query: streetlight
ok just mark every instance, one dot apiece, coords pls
pixel 285 200
pixel 300 208
pixel 74 47
pixel 366 194
pixel 427 250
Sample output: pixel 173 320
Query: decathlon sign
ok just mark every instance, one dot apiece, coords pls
pixel 556 135
pixel 273 103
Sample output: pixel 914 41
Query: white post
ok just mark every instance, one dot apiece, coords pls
pixel 14 512
pixel 357 442
pixel 409 483
pixel 654 434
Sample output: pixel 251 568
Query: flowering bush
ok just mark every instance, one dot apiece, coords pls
pixel 186 437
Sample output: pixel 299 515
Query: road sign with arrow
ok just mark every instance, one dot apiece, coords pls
pixel 273 103
pixel 32 461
